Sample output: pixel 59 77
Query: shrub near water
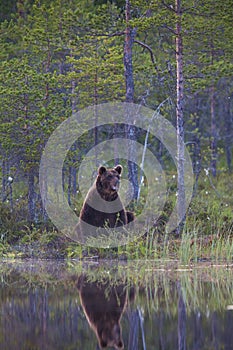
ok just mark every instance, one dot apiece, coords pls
pixel 211 210
pixel 12 222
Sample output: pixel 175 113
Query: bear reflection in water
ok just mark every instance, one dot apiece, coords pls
pixel 103 306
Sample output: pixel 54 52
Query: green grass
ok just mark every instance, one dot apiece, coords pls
pixel 207 233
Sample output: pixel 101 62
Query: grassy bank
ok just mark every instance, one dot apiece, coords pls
pixel 207 234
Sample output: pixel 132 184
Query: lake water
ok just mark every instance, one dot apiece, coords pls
pixel 137 305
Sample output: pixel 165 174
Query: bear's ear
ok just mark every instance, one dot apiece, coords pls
pixel 101 170
pixel 119 169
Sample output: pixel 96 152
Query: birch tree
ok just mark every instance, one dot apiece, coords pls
pixel 129 97
pixel 180 113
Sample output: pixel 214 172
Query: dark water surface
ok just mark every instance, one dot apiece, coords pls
pixel 143 305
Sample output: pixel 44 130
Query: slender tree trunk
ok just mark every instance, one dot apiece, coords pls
pixel 116 151
pixel 96 117
pixel 4 180
pixel 129 82
pixel 196 153
pixel 128 62
pixel 228 135
pixel 11 196
pixel 197 145
pixel 31 196
pixel 74 146
pixel 7 180
pixel 213 143
pixel 180 116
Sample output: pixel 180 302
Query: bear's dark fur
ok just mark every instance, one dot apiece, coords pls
pixel 103 306
pixel 95 209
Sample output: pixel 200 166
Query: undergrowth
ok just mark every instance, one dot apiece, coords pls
pixel 207 233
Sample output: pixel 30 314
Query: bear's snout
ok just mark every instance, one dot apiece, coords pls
pixel 115 185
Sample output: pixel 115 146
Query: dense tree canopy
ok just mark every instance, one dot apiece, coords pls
pixel 60 56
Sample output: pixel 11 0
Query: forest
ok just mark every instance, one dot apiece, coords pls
pixel 59 57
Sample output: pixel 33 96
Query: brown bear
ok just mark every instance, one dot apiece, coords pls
pixel 102 206
pixel 103 305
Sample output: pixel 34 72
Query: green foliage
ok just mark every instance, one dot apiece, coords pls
pixel 12 224
pixel 59 57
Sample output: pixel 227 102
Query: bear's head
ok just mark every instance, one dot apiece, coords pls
pixel 108 181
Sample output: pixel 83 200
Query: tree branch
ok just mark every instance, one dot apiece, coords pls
pixel 145 46
pixel 169 7
pixel 170 29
